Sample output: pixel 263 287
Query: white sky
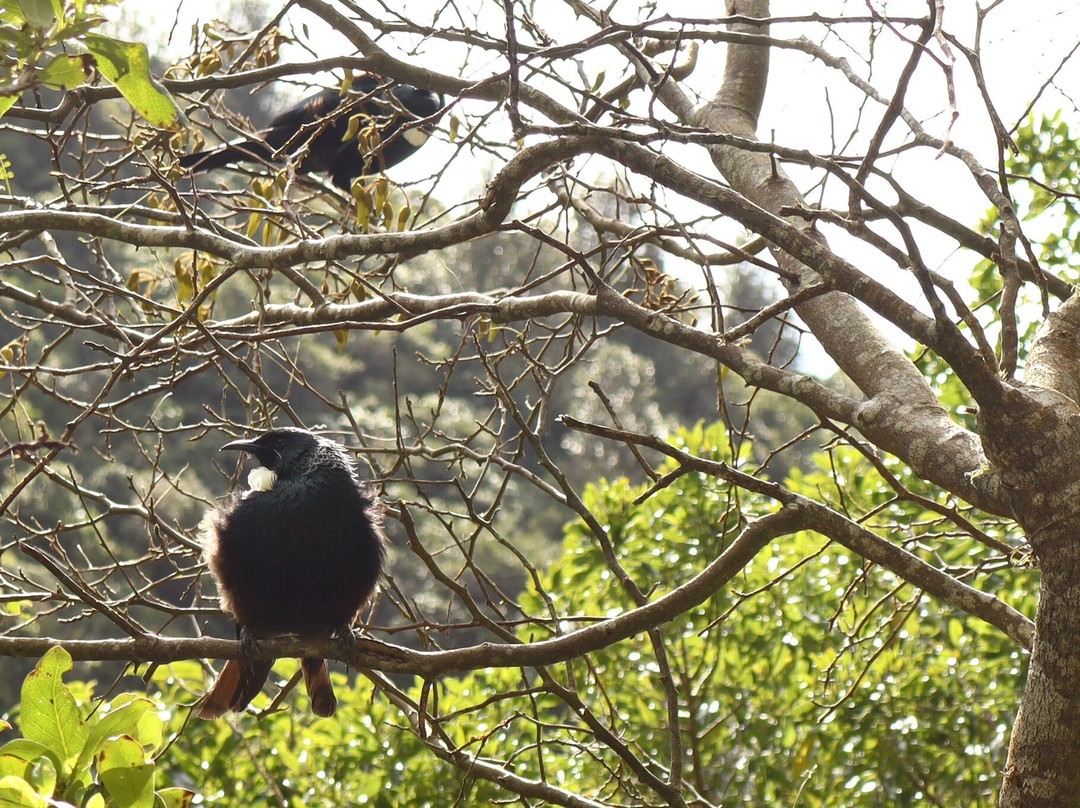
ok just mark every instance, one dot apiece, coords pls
pixel 1023 42
pixel 808 105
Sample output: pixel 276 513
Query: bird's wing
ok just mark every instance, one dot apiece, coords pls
pixel 310 109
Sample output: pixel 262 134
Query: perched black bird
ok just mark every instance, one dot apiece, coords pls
pixel 299 552
pixel 394 122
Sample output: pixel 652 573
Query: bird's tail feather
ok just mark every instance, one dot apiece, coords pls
pixel 320 691
pixel 250 151
pixel 216 703
pixel 234 689
pixel 252 679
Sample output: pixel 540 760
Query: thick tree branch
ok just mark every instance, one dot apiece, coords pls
pixel 856 538
pixel 1054 359
pixel 429 664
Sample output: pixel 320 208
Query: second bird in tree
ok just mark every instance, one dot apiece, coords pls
pixel 299 553
pixel 392 122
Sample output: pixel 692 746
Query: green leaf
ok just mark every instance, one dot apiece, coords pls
pixel 30 761
pixel 10 15
pixel 39 13
pixel 122 721
pixel 65 72
pixel 17 793
pixel 127 777
pixel 7 102
pixel 49 714
pixel 127 65
pixel 956 632
pixel 151 731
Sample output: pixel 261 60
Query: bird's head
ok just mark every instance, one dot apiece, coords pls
pixel 280 452
pixel 422 104
pixel 419 103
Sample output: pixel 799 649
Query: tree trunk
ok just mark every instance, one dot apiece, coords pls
pixel 1043 768
pixel 1028 433
pixel 1038 448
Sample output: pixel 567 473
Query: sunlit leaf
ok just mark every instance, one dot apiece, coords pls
pixel 127 65
pixel 127 776
pixel 49 715
pixel 65 72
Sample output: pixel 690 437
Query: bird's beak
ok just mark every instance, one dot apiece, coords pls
pixel 240 446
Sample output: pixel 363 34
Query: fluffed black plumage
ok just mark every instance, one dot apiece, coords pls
pixel 317 127
pixel 299 552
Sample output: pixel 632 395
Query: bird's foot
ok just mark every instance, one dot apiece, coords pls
pixel 249 648
pixel 345 641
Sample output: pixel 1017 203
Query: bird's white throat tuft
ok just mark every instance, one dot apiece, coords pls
pixel 261 479
pixel 415 137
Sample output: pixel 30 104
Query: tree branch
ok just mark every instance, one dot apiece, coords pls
pixel 856 538
pixel 430 664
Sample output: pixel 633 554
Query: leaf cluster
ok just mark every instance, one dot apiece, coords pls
pixel 68 757
pixel 40 37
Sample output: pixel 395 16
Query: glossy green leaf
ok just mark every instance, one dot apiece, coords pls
pixel 32 762
pixel 7 102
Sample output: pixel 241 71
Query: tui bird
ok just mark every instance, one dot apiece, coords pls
pixel 394 123
pixel 299 552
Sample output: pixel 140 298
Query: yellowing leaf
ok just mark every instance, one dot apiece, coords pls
pixel 341 336
pixel 403 216
pixel 9 353
pixel 804 757
pixel 364 206
pixel 381 192
pixel 176 797
pixel 353 128
pixel 253 225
